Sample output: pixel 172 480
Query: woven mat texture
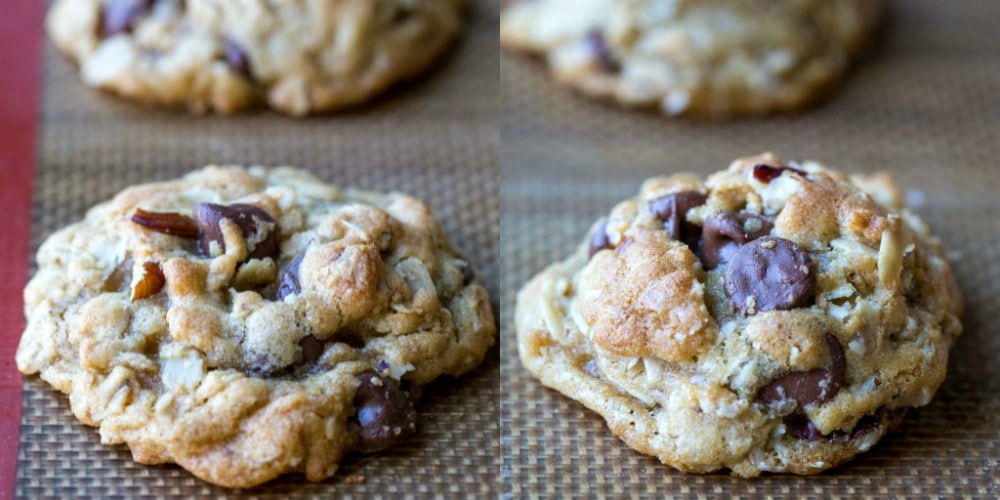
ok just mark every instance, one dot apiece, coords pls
pixel 435 138
pixel 923 105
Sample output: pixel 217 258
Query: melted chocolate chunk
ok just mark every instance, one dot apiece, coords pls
pixel 599 240
pixel 120 16
pixel 312 349
pixel 237 60
pixel 721 236
pixel 672 211
pixel 769 273
pixel 288 283
pixel 252 221
pixel 866 424
pixel 602 54
pixel 723 233
pixel 767 173
pixel 809 387
pixel 385 415
pixel 801 427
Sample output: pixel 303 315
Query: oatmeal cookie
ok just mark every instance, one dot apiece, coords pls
pixel 694 57
pixel 245 323
pixel 775 318
pixel 225 55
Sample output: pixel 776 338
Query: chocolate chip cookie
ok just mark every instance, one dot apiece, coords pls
pixel 693 57
pixel 775 318
pixel 227 55
pixel 245 323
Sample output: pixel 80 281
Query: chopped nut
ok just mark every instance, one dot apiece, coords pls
pixel 150 284
pixel 890 254
pixel 255 272
pixel 171 223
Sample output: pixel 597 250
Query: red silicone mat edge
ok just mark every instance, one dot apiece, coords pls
pixel 20 63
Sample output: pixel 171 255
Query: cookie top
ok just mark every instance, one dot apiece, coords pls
pixel 245 323
pixel 224 55
pixel 693 57
pixel 776 317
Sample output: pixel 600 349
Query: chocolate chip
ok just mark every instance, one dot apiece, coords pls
pixel 801 427
pixel 119 16
pixel 891 419
pixel 349 338
pixel 602 54
pixel 767 173
pixel 288 282
pixel 385 415
pixel 723 233
pixel 813 386
pixel 769 273
pixel 251 220
pixel 237 60
pixel 312 349
pixel 170 223
pixel 599 240
pixel 837 366
pixel 721 236
pixel 672 211
pixel 866 424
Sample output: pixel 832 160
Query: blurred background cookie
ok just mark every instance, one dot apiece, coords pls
pixel 774 318
pixel 695 57
pixel 224 56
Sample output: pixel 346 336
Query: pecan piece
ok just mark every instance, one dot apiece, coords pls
pixel 171 223
pixel 150 284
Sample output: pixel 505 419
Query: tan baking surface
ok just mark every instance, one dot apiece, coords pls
pixel 925 105
pixel 435 139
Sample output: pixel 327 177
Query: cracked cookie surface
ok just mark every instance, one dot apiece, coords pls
pixel 693 56
pixel 773 318
pixel 298 57
pixel 245 323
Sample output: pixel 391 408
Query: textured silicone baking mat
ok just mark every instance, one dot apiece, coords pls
pixel 435 138
pixel 923 105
